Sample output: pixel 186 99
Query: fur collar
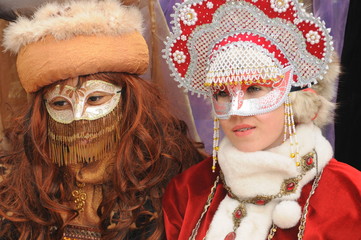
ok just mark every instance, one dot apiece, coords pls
pixel 262 173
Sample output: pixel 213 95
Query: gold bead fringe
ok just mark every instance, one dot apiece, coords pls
pixel 83 141
pixel 215 143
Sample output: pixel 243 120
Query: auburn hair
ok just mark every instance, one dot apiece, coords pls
pixel 154 147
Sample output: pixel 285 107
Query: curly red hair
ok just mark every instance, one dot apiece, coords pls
pixel 154 147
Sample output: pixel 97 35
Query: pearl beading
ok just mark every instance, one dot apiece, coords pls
pixel 302 38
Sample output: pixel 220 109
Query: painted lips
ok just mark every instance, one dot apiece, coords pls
pixel 243 130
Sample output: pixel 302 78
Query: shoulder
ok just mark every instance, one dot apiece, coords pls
pixel 341 174
pixel 194 184
pixel 186 196
pixel 340 183
pixel 340 186
pixel 334 211
pixel 196 177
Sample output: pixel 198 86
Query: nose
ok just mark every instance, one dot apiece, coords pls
pixel 79 109
pixel 237 100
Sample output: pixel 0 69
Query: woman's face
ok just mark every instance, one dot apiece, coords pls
pixel 84 120
pixel 252 114
pixel 257 132
pixel 90 101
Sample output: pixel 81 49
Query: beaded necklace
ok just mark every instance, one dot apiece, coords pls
pixel 288 186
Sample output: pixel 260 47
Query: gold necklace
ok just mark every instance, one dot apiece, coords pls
pixel 288 186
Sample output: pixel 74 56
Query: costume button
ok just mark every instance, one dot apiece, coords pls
pixel 260 202
pixel 309 161
pixel 290 186
pixel 238 214
pixel 230 236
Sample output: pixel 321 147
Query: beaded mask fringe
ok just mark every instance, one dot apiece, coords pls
pixel 290 132
pixel 83 141
pixel 215 143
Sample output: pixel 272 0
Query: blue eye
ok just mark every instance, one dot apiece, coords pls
pixel 254 88
pixel 256 91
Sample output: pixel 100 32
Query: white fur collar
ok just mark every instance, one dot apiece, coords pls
pixel 262 173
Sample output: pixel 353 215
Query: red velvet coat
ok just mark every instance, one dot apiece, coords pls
pixel 334 210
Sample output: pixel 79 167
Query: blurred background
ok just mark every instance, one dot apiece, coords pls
pixel 342 16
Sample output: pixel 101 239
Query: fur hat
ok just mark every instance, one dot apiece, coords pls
pixel 75 38
pixel 317 105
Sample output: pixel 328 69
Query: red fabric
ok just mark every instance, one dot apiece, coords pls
pixel 205 16
pixel 334 211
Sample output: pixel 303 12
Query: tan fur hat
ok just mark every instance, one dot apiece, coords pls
pixel 318 106
pixel 75 38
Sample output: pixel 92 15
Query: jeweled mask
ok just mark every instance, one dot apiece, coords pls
pixel 245 78
pixel 83 122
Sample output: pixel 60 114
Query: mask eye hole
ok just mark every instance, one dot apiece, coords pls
pixel 256 91
pixel 221 94
pixel 60 103
pixel 254 88
pixel 98 98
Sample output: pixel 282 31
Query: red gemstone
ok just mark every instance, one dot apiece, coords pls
pixel 260 202
pixel 309 161
pixel 290 186
pixel 230 236
pixel 238 214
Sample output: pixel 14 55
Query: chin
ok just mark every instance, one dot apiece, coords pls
pixel 247 148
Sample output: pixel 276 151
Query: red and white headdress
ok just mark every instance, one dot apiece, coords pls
pixel 230 45
pixel 268 35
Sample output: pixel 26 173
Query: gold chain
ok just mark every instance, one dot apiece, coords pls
pixel 272 232
pixel 301 228
pixel 205 209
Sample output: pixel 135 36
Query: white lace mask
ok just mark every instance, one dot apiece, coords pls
pixel 253 98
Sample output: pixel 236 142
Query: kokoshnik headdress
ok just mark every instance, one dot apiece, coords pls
pixel 230 45
pixel 71 39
